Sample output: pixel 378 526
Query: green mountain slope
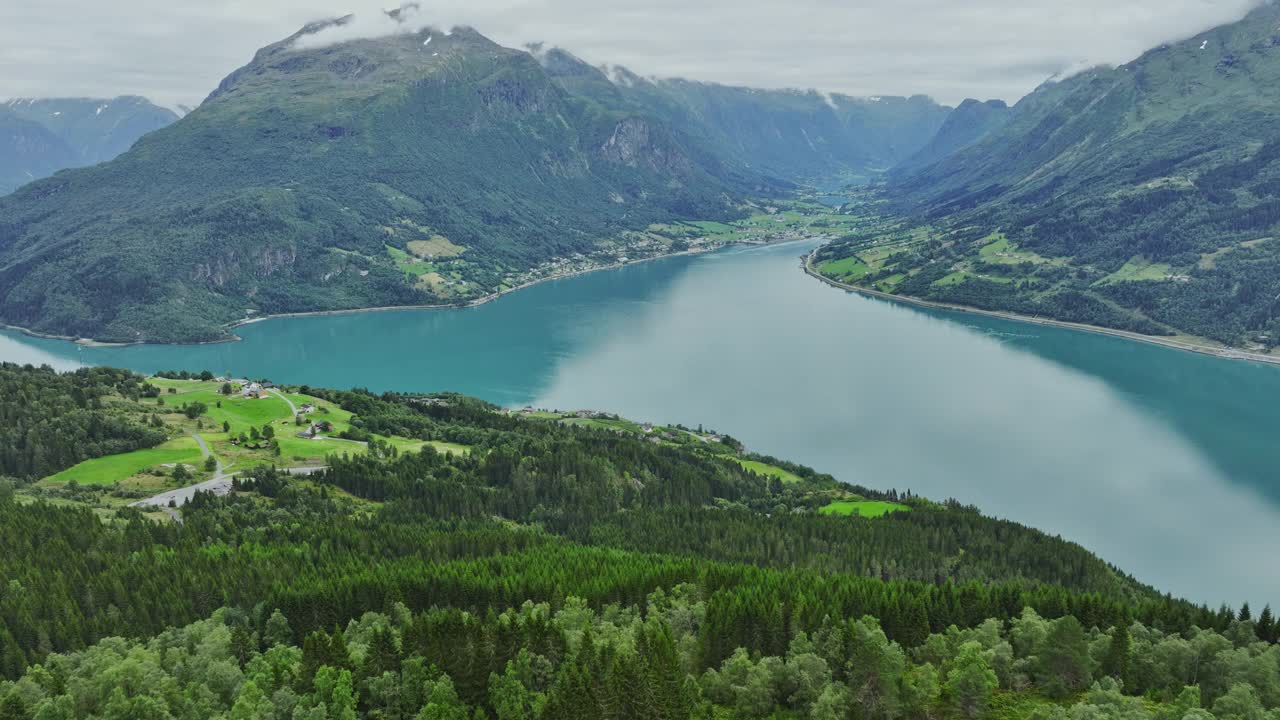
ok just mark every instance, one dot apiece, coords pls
pixel 415 169
pixel 87 131
pixel 1157 181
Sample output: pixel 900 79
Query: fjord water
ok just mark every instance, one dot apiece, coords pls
pixel 1164 462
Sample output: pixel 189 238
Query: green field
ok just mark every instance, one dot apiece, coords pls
pixel 850 268
pixel 239 411
pixel 408 263
pixel 954 278
pixel 604 424
pixel 864 508
pixel 713 227
pixel 768 470
pixel 1137 269
pixel 114 468
pixel 243 414
pixel 890 283
pixel 1002 251
pixel 448 447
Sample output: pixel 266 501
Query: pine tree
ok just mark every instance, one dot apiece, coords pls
pixel 1116 661
pixel 1266 626
pixel 277 631
pixel 1063 667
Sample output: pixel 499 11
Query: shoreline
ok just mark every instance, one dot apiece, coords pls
pixel 477 302
pixel 482 300
pixel 1222 353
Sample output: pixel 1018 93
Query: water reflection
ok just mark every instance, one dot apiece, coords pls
pixel 1162 461
pixel 885 395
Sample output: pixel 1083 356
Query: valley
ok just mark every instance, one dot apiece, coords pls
pixel 414 375
pixel 857 387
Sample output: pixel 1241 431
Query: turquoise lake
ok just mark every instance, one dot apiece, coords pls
pixel 1166 463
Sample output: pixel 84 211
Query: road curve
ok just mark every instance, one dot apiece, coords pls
pixel 293 408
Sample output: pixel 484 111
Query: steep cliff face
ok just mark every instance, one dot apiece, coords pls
pixel 635 144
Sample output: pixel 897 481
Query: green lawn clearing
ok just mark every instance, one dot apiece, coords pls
pixel 864 508
pixel 114 468
pixel 767 470
pixel 850 268
pixel 1003 251
pixel 1137 269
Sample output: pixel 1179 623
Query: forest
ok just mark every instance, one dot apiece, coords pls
pixel 556 571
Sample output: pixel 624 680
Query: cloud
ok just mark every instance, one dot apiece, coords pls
pixel 404 20
pixel 176 52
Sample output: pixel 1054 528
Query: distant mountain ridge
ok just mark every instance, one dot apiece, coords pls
pixel 971 121
pixel 294 185
pixel 72 132
pixel 790 134
pixel 29 151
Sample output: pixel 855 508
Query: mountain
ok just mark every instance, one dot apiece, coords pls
pixel 1142 196
pixel 795 135
pixel 28 151
pixel 73 132
pixel 310 178
pixel 968 123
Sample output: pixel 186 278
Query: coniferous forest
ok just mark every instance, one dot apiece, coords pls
pixel 562 572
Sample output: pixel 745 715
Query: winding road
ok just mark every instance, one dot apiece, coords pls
pixel 219 484
pixel 292 408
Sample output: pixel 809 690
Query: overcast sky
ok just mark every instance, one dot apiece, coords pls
pixel 176 51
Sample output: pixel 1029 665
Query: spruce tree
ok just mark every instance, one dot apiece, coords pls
pixel 1063 668
pixel 1116 661
pixel 1266 626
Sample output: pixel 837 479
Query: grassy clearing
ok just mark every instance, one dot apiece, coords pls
pixel 448 447
pixel 863 508
pixel 850 268
pixel 710 226
pixel 183 387
pixel 1137 269
pixel 1001 250
pixel 604 424
pixel 408 263
pixel 438 246
pixel 296 449
pixel 237 410
pixel 994 244
pixel 1209 261
pixel 954 278
pixel 114 468
pixel 890 283
pixel 768 470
